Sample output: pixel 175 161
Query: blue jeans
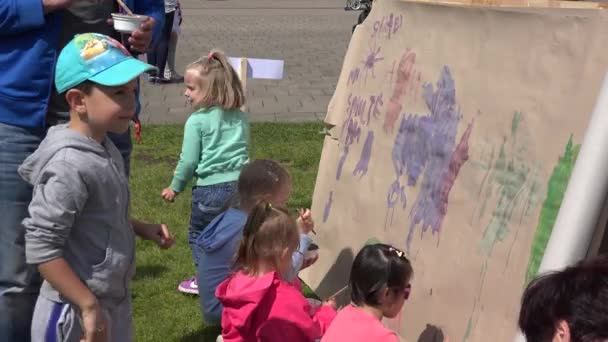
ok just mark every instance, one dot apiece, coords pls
pixel 19 282
pixel 207 204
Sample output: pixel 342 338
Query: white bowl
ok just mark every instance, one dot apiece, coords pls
pixel 127 23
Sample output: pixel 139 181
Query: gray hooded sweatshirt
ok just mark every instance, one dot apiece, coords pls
pixel 79 211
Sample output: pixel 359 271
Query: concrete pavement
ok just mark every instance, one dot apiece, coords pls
pixel 311 36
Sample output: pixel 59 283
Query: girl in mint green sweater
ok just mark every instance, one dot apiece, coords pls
pixel 215 147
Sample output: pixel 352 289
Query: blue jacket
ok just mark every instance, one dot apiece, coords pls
pixel 216 247
pixel 28 41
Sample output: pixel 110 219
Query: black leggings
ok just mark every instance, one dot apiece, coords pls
pixel 157 55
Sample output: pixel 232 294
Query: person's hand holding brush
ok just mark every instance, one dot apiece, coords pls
pixel 305 221
pixel 331 302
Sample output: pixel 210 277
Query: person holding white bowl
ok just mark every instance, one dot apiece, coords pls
pixel 32 33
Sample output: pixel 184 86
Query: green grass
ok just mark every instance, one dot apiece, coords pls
pixel 160 312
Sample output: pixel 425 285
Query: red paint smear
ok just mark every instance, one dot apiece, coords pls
pixel 459 157
pixel 405 74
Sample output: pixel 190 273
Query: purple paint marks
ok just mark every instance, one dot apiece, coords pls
pixel 366 154
pixel 387 26
pixel 425 147
pixel 375 102
pixel 370 62
pixel 411 149
pixel 328 205
pixel 356 106
pixel 353 132
pixel 353 76
pixel 396 193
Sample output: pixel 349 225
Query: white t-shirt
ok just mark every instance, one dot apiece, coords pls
pixel 170 5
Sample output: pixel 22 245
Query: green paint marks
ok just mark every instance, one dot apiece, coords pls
pixel 514 180
pixel 467 332
pixel 515 122
pixel 555 193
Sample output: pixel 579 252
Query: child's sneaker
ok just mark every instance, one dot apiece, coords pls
pixel 189 286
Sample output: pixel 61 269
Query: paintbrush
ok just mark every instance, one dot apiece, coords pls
pixel 301 212
pixel 339 291
pixel 124 7
pixel 371 241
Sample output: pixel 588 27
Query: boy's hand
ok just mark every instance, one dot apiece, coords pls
pixel 158 233
pixel 168 194
pixel 305 221
pixel 95 324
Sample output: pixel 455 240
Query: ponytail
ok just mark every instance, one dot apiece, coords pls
pixel 246 253
pixel 267 232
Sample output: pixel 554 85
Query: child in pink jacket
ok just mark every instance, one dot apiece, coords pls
pixel 258 304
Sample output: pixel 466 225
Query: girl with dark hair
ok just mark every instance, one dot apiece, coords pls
pixel 380 285
pixel 258 304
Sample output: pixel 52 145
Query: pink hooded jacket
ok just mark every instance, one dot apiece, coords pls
pixel 269 309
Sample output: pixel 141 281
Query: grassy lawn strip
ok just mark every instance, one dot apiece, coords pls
pixel 160 312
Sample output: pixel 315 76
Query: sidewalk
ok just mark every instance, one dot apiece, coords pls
pixel 311 37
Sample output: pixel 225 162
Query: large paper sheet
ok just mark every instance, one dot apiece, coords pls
pixel 455 132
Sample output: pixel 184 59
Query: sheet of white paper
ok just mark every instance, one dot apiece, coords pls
pixel 269 69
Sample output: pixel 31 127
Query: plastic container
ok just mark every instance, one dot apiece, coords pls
pixel 127 23
pixel 312 252
pixel 314 305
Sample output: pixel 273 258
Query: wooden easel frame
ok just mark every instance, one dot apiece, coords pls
pixel 243 69
pixel 577 4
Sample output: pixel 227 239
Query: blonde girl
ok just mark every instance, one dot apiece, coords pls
pixel 215 145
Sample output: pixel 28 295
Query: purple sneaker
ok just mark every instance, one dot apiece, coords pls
pixel 189 286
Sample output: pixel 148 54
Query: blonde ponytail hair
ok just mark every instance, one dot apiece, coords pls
pixel 219 81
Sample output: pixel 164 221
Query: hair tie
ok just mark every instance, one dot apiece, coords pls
pixel 210 55
pixel 398 252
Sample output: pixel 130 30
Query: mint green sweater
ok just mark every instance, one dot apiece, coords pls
pixel 215 148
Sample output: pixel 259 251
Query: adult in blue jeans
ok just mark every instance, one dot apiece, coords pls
pixel 32 32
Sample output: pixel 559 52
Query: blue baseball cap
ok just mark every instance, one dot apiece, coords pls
pixel 97 58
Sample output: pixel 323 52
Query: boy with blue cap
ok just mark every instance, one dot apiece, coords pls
pixel 78 231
